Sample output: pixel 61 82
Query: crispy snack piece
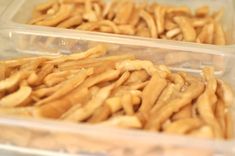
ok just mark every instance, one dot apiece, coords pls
pixel 124 12
pixel 85 112
pixel 123 122
pixel 202 11
pixel 16 98
pixel 219 36
pixel 70 22
pixel 101 114
pixel 187 29
pixel 159 13
pixel 150 22
pixel 63 13
pixel 193 91
pixel 183 126
pixel 152 91
pixel 56 108
pixel 207 34
pixel 206 102
pixel 185 112
pixel 12 81
pixel 203 132
pixel 67 86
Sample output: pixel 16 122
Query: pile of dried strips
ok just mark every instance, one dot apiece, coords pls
pixel 117 91
pixel 131 18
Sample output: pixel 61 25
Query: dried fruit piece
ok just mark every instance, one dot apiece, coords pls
pixel 16 98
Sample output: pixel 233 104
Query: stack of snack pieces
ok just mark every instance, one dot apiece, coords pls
pixel 119 90
pixel 131 18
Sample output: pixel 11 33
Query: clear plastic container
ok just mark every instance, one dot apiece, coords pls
pixel 20 11
pixel 44 137
pixel 47 137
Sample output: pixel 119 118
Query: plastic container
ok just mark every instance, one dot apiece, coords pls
pixel 45 137
pixel 20 11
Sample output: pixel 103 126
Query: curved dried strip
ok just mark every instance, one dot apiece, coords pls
pixel 54 81
pixel 185 112
pixel 138 76
pixel 106 29
pixel 94 61
pixel 220 114
pixel 100 114
pixel 200 22
pixel 135 18
pixel 177 80
pixel 150 22
pixel 97 101
pixel 163 98
pixel 205 103
pixel 67 86
pixel 159 13
pixel 44 92
pixel 38 19
pixel 122 79
pixel 217 16
pixel 193 91
pixel 229 126
pixel 207 34
pixel 53 9
pixel 143 32
pixel 62 74
pixel 203 132
pixel 103 77
pixel 186 27
pixel 202 11
pixel 97 10
pixel 138 86
pixel 70 22
pixel 183 126
pixel 172 33
pixel 20 111
pixel 110 24
pixel 123 122
pixel 219 35
pixel 179 10
pixel 97 51
pixel 44 71
pixel 132 65
pixel 89 26
pixel 114 104
pixel 124 12
pixel 56 108
pixel 169 24
pixel 12 81
pixel 126 29
pixel 126 102
pixel 152 91
pixel 225 93
pixel 46 5
pixel 89 13
pixel 16 98
pixel 63 13
pixel 107 8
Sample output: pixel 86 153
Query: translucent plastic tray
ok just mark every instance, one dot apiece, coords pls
pixel 20 11
pixel 46 137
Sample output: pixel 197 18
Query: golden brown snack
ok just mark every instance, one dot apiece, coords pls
pixel 131 17
pixel 120 91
